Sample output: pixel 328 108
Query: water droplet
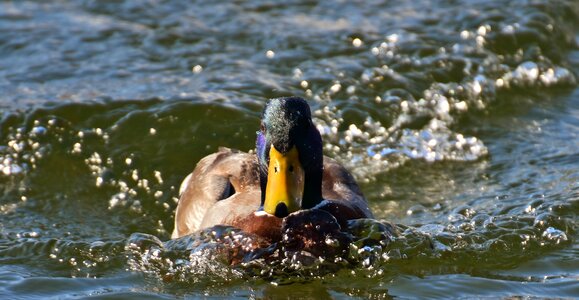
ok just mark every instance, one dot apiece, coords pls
pixel 197 69
pixel 76 149
pixel 555 235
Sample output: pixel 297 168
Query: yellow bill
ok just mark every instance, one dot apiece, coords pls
pixel 285 182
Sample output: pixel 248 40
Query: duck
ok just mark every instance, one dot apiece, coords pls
pixel 285 175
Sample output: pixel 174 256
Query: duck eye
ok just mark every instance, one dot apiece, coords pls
pixel 291 168
pixel 262 127
pixel 275 169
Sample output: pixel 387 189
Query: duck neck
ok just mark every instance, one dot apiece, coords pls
pixel 313 161
pixel 312 188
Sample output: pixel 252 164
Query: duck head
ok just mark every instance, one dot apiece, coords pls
pixel 289 150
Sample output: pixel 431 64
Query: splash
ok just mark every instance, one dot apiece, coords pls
pixel 312 245
pixel 407 102
pixel 369 247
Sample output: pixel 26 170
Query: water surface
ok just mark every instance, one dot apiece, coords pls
pixel 460 120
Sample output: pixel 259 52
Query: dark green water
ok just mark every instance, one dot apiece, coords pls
pixel 460 120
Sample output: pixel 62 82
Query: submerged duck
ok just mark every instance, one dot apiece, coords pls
pixel 257 192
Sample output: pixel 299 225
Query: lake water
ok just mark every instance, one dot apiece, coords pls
pixel 459 119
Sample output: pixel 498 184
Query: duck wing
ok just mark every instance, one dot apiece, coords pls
pixel 224 186
pixel 342 195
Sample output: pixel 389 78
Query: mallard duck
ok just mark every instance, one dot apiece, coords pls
pixel 255 192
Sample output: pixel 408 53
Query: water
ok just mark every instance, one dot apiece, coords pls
pixel 459 119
